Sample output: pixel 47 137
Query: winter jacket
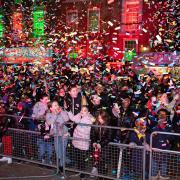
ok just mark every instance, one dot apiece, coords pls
pixel 138 138
pixel 81 131
pixel 162 141
pixel 101 135
pixel 74 104
pixel 57 123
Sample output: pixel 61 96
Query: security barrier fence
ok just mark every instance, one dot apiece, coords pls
pixel 28 146
pixel 164 163
pixel 113 160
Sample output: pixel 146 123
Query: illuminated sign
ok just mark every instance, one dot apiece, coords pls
pixel 18 1
pixel 26 54
pixel 38 23
pixel 1 26
pixel 129 55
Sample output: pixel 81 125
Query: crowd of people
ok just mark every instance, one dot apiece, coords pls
pixel 91 93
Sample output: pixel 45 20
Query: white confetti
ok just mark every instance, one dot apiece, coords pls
pixel 110 23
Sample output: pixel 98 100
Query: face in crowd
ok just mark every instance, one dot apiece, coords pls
pixel 140 125
pixel 55 108
pixel 96 100
pixel 62 92
pixel 99 89
pixel 45 100
pixel 74 92
pixel 126 103
pixel 162 117
pixel 100 119
pixel 84 111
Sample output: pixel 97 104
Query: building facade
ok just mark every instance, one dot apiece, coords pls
pixel 111 26
pixel 76 28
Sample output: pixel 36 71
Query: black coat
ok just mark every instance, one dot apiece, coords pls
pixel 100 135
pixel 73 104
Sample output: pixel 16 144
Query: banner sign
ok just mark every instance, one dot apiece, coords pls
pixel 26 54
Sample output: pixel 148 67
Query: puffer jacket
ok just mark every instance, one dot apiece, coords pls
pixel 81 131
pixel 57 123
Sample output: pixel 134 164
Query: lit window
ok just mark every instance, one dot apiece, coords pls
pixel 38 23
pixel 94 20
pixel 72 18
pixel 131 14
pixel 130 45
pixel 1 26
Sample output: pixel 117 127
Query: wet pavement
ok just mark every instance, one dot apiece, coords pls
pixel 22 169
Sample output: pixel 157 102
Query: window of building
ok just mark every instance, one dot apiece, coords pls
pixel 17 23
pixel 72 19
pixel 1 26
pixel 132 14
pixel 130 45
pixel 38 23
pixel 94 19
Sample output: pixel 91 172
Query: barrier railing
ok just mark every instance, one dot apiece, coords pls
pixel 111 161
pixel 164 162
pixel 29 146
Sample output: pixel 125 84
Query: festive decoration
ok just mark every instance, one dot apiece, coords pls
pixel 1 26
pixel 129 55
pixel 38 22
pixel 96 153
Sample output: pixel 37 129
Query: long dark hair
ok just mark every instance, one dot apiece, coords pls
pixel 104 115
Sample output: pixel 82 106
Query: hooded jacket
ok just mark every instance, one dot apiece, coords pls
pixel 81 133
pixel 57 123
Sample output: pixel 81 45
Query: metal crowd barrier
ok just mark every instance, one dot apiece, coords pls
pixel 29 146
pixel 164 163
pixel 114 161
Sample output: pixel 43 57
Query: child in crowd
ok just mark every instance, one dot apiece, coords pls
pixel 56 119
pixel 161 141
pixel 139 137
pixel 100 137
pixel 40 108
pixel 44 143
pixel 74 100
pixel 81 136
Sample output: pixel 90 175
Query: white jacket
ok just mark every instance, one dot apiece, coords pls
pixel 57 123
pixel 81 131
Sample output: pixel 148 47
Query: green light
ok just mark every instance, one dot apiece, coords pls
pixel 1 26
pixel 72 55
pixel 18 1
pixel 129 55
pixel 38 23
